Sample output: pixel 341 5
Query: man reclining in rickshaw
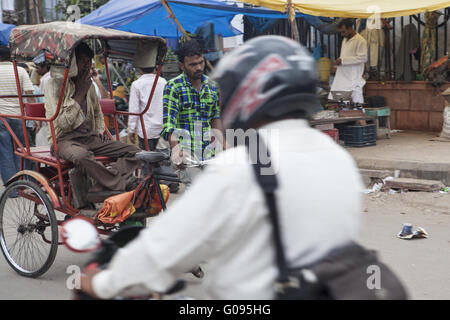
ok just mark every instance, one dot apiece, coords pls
pixel 79 129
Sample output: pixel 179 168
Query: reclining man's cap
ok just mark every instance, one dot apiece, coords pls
pixel 145 55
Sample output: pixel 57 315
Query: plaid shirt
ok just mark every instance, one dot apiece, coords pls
pixel 190 113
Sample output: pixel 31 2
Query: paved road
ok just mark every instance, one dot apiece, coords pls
pixel 422 264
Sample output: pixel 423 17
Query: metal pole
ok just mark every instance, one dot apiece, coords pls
pixel 36 7
pixel 418 31
pixel 446 33
pixel 114 70
pixel 174 18
pixel 292 19
pixel 329 47
pixel 22 106
pixel 437 43
pixel 27 12
pixel 393 43
pixel 108 76
pixel 58 108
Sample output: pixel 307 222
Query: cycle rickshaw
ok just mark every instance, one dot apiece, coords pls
pixel 28 222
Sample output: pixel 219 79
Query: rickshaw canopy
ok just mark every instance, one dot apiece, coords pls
pixel 60 38
pixel 355 8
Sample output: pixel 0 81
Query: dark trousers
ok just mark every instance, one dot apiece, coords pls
pixel 9 162
pixel 81 150
pixel 152 143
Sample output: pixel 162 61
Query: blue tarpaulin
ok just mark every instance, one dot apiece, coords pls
pixel 150 17
pixel 5 30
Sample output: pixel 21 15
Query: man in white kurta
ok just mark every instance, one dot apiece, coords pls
pixel 153 118
pixel 350 65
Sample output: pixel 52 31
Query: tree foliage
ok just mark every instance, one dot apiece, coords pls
pixel 85 7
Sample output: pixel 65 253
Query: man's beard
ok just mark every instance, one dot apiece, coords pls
pixel 196 76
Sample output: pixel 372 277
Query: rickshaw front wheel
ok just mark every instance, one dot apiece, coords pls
pixel 28 228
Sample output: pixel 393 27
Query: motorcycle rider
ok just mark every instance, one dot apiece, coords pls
pixel 267 84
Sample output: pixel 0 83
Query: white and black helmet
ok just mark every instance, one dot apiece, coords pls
pixel 269 77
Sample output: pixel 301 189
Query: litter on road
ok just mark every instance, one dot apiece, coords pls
pixel 407 234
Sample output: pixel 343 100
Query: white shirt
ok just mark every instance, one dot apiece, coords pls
pixel 223 220
pixel 139 94
pixel 349 75
pixel 8 5
pixel 43 81
pixel 8 87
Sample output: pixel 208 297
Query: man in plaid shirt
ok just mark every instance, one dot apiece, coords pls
pixel 191 110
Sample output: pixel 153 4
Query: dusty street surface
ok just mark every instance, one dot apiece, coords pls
pixel 422 264
pixel 406 145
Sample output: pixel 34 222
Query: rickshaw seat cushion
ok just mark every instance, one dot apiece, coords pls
pixel 108 106
pixel 47 156
pixel 35 110
pixel 41 149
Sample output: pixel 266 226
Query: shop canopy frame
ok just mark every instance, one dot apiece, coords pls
pixel 354 8
pixel 168 18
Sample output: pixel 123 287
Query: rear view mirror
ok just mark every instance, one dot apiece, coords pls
pixel 80 235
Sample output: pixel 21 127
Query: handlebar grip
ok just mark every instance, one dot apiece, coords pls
pixel 91 266
pixel 178 286
pixel 81 295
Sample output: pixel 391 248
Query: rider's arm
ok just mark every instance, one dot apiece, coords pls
pixel 195 228
pixel 216 124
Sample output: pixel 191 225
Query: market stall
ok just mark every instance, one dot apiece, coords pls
pixel 5 31
pixel 407 67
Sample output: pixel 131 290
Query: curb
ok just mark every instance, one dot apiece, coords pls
pixel 409 169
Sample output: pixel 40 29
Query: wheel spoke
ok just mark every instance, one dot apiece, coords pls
pixel 12 215
pixel 31 255
pixel 16 242
pixel 38 245
pixel 21 248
